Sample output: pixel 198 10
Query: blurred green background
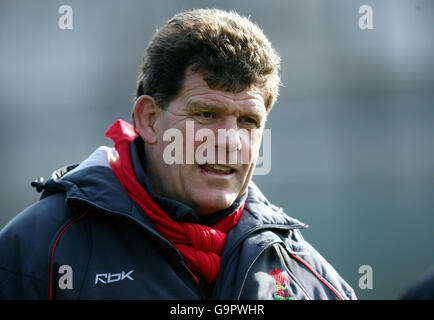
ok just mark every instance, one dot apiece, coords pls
pixel 352 131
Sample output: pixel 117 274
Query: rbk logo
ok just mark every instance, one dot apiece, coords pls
pixel 112 277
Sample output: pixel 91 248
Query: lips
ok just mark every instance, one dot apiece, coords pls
pixel 216 168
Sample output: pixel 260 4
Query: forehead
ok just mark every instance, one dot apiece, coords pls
pixel 196 94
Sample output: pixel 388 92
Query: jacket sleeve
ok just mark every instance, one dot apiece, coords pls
pixel 24 249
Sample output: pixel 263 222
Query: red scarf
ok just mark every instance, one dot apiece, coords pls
pixel 201 246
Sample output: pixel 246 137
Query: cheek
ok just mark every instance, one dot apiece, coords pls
pixel 253 145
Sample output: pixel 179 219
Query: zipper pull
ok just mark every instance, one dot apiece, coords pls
pixel 38 183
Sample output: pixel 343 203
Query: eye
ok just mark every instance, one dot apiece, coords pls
pixel 207 114
pixel 249 120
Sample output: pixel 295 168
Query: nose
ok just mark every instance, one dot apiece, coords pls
pixel 228 136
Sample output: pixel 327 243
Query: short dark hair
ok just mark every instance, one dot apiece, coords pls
pixel 231 51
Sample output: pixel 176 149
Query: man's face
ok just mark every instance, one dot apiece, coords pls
pixel 208 188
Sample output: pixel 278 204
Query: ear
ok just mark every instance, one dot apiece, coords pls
pixel 145 115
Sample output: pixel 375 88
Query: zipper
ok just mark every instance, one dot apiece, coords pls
pixel 251 265
pixel 294 278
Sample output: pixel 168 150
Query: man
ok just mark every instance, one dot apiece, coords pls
pixel 129 222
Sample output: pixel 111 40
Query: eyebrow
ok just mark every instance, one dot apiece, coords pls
pixel 196 106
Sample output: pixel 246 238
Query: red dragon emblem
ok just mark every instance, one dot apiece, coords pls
pixel 280 282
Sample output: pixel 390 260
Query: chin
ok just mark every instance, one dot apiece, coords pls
pixel 214 201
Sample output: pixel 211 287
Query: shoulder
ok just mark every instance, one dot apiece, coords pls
pixel 26 239
pixel 301 255
pixel 312 261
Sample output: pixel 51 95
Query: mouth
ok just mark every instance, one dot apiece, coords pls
pixel 217 169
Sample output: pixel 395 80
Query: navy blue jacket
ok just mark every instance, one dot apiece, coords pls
pixel 86 239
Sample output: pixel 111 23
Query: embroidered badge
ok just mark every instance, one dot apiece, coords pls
pixel 280 282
